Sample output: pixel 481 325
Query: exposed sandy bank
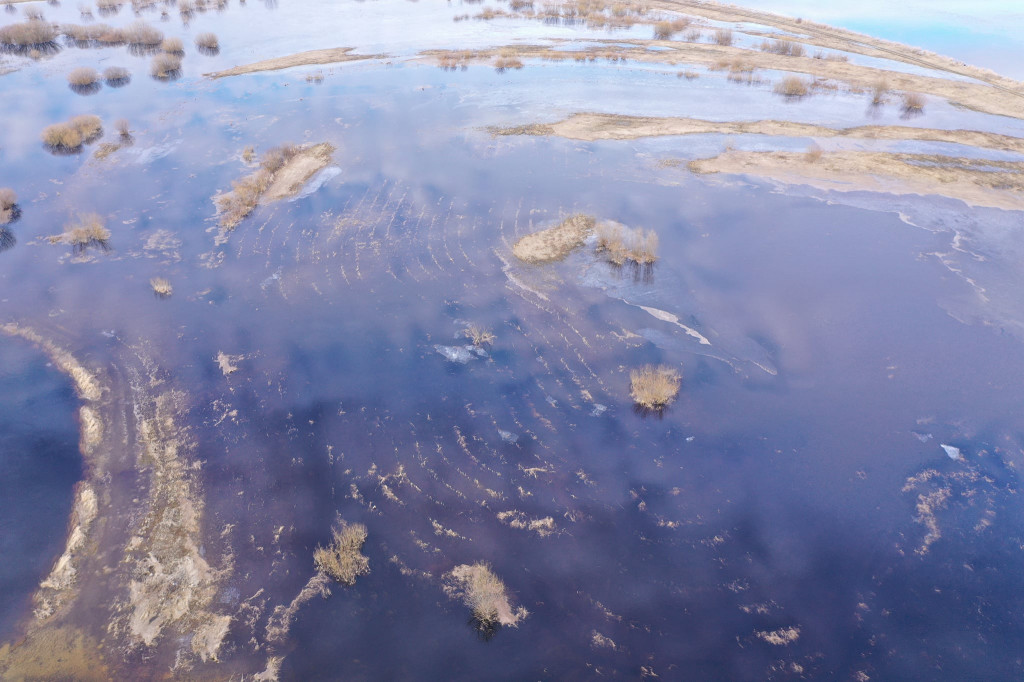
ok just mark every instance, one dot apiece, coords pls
pixel 590 127
pixel 334 55
pixel 554 243
pixel 956 178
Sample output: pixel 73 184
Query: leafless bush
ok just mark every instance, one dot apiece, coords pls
pixel 664 30
pixel 654 387
pixel 70 136
pixel 913 102
pixel 792 87
pixel 784 47
pixel 165 66
pixel 480 336
pixel 723 36
pixel 88 231
pixel 161 286
pixel 141 34
pixel 8 205
pixel 28 34
pixel 83 76
pixel 879 91
pixel 173 46
pixel 813 153
pixel 342 558
pixel 116 76
pixel 208 42
pixel 123 127
pixel 621 244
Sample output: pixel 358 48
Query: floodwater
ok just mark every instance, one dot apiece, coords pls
pixel 784 495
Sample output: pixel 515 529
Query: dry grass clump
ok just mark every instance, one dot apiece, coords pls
pixel 89 231
pixel 480 336
pixel 107 7
pixel 689 74
pixel 141 34
pixel 123 127
pixel 161 286
pixel 116 76
pixel 664 30
pixel 723 36
pixel 207 41
pixel 28 34
pixel 879 91
pixel 451 61
pixel 783 47
pixel 245 194
pixel 70 136
pixel 83 77
pixel 502 64
pixel 813 153
pixel 93 34
pixel 8 205
pixel 172 46
pixel 913 102
pixel 342 559
pixel 621 244
pixel 654 387
pixel 483 592
pixel 792 86
pixel 165 66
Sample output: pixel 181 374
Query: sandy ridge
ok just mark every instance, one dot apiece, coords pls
pixel 333 55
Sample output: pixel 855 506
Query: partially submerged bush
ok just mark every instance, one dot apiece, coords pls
pixel 161 287
pixel 913 102
pixel 123 127
pixel 165 66
pixel 723 36
pixel 116 76
pixel 207 41
pixel 141 34
pixel 173 46
pixel 784 47
pixel 664 30
pixel 107 7
pixel 792 86
pixel 483 592
pixel 28 34
pixel 502 64
pixel 70 136
pixel 879 91
pixel 621 244
pixel 480 336
pixel 8 205
pixel 83 77
pixel 342 559
pixel 89 231
pixel 654 387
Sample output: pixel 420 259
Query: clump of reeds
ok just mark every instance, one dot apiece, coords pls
pixel 71 135
pixel 507 59
pixel 792 87
pixel 29 34
pixel 654 387
pixel 486 595
pixel 783 47
pixel 123 128
pixel 32 13
pixel 664 30
pixel 141 34
pixel 479 336
pixel 207 42
pixel 342 559
pixel 165 66
pixel 621 244
pixel 723 36
pixel 878 92
pixel 8 205
pixel 108 7
pixel 116 76
pixel 173 46
pixel 84 80
pixel 813 153
pixel 161 286
pixel 88 231
pixel 913 102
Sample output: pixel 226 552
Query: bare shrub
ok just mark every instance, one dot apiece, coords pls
pixel 813 153
pixel 664 30
pixel 161 287
pixel 913 102
pixel 792 86
pixel 342 559
pixel 485 594
pixel 83 76
pixel 723 36
pixel 108 7
pixel 173 46
pixel 620 244
pixel 878 92
pixel 783 47
pixel 28 34
pixel 116 76
pixel 141 34
pixel 165 66
pixel 123 127
pixel 689 74
pixel 32 13
pixel 70 136
pixel 654 387
pixel 88 231
pixel 480 336
pixel 8 205
pixel 207 41
pixel 502 64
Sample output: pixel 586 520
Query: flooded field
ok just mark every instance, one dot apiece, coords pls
pixel 397 340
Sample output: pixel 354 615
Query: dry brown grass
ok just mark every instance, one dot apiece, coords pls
pixel 172 46
pixel 484 592
pixel 480 336
pixel 913 102
pixel 28 34
pixel 342 559
pixel 8 205
pixel 792 86
pixel 161 286
pixel 813 153
pixel 502 64
pixel 621 244
pixel 88 231
pixel 207 41
pixel 165 66
pixel 70 136
pixel 879 91
pixel 554 243
pixel 123 127
pixel 723 36
pixel 245 194
pixel 83 76
pixel 783 47
pixel 116 75
pixel 654 387
pixel 664 30
pixel 107 7
pixel 141 34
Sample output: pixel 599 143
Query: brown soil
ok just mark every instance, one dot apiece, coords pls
pixel 331 56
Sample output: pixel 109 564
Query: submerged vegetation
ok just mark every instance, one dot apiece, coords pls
pixel 486 595
pixel 792 87
pixel 165 66
pixel 654 387
pixel 70 136
pixel 342 558
pixel 88 231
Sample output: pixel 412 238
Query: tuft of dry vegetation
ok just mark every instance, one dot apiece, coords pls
pixel 141 34
pixel 813 153
pixel 483 592
pixel 783 47
pixel 165 66
pixel 913 102
pixel 88 231
pixel 506 60
pixel 70 136
pixel 123 127
pixel 29 34
pixel 878 92
pixel 172 46
pixel 8 205
pixel 207 41
pixel 161 287
pixel 664 30
pixel 793 87
pixel 621 244
pixel 107 7
pixel 723 36
pixel 342 559
pixel 116 76
pixel 83 77
pixel 480 336
pixel 245 194
pixel 654 387
pixel 554 243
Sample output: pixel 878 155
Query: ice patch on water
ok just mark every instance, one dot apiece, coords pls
pixel 149 154
pixel 598 410
pixel 951 452
pixel 508 436
pixel 459 354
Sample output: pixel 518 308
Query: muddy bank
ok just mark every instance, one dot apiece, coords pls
pixel 335 55
pixel 591 127
pixel 977 183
